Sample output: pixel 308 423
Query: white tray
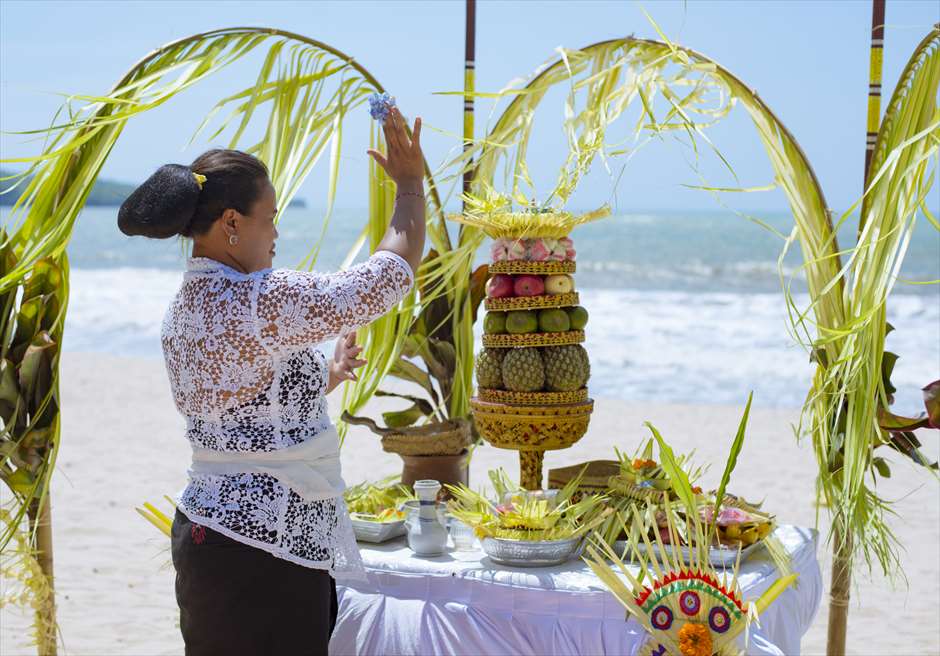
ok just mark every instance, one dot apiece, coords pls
pixel 723 557
pixel 377 531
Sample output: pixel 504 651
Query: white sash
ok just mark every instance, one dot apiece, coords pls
pixel 311 468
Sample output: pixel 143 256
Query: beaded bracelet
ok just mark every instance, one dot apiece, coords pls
pixel 409 193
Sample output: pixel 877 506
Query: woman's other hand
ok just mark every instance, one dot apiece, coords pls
pixel 344 361
pixel 404 162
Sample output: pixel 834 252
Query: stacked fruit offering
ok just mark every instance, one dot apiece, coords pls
pixel 533 326
pixel 532 371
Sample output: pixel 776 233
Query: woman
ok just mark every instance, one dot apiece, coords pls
pixel 262 524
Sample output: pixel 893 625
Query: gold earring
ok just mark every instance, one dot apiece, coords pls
pixel 233 240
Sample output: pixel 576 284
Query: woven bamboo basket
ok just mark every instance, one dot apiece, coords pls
pixel 595 479
pixel 440 439
pixel 532 398
pixel 528 340
pixel 531 427
pixel 532 268
pixel 532 302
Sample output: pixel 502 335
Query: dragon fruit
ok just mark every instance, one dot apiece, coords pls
pixel 538 251
pixel 517 250
pixel 543 249
pixel 728 516
pixel 499 251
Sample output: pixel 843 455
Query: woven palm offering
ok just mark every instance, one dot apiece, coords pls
pixel 532 372
pixel 527 528
pixel 685 606
pixel 649 496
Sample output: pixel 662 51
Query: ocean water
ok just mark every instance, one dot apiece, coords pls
pixel 685 307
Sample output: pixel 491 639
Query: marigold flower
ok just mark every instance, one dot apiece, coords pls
pixel 695 640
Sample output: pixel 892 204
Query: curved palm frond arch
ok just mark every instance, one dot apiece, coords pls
pixel 305 122
pixel 842 332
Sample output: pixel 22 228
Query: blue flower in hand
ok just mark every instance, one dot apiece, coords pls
pixel 379 106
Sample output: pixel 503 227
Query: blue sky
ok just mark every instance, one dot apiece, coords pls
pixel 808 61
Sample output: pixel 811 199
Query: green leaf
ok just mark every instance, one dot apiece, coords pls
pixel 9 388
pixel 677 478
pixel 445 358
pixel 27 320
pixel 892 422
pixel 932 403
pixel 403 418
pixel 888 361
pixel 409 346
pixel 881 465
pixel 906 443
pixel 35 372
pixel 409 371
pixel 736 446
pixel 422 404
pixel 478 288
pixel 21 481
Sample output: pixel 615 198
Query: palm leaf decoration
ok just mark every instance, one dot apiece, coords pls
pixel 680 91
pixel 843 328
pixel 303 92
pixel 848 388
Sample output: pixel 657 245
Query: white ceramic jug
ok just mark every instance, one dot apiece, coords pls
pixel 426 534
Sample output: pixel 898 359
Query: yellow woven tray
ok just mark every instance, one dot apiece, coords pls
pixel 532 398
pixel 531 427
pixel 532 302
pixel 535 268
pixel 526 340
pixel 595 477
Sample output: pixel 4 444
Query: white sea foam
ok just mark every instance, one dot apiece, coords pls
pixel 666 346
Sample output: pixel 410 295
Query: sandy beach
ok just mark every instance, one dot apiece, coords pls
pixel 122 444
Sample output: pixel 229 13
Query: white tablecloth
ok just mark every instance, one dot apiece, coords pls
pixel 461 603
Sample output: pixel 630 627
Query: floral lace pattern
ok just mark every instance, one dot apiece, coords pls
pixel 244 371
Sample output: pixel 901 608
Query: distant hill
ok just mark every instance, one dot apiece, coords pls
pixel 105 193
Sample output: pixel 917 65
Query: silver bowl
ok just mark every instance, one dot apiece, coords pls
pixel 526 553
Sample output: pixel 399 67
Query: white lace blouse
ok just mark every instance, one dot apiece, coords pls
pixel 245 373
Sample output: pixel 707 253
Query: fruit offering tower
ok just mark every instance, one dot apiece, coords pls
pixel 532 371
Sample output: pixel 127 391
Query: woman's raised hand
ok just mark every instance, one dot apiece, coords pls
pixel 404 162
pixel 344 363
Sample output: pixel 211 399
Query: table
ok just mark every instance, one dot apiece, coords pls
pixel 462 603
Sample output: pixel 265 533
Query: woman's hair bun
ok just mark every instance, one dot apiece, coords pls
pixel 163 206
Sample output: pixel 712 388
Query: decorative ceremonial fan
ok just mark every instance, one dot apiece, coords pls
pixel 680 600
pixel 686 608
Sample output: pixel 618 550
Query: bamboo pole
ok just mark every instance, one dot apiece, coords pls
pixel 874 80
pixel 842 538
pixel 469 86
pixel 40 521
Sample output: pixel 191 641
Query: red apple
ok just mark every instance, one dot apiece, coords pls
pixel 499 286
pixel 529 286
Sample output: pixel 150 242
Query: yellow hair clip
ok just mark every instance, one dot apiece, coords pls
pixel 200 179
